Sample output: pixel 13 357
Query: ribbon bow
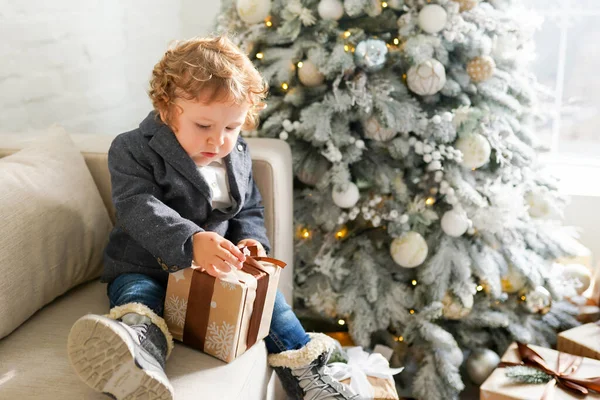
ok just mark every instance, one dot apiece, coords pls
pixel 252 259
pixel 567 365
pixel 360 365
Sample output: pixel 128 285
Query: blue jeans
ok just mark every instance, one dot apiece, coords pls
pixel 285 333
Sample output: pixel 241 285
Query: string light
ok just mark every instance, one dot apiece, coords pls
pixel 396 41
pixel 404 77
pixel 384 4
pixel 346 48
pixel 479 288
pixel 412 312
pixel 430 201
pixel 341 233
pixel 414 282
pixel 341 322
pixel 347 34
pixel 285 86
pixel 304 233
pixel 399 339
pixel 523 298
pixel 300 64
pixel 268 22
pixel 260 56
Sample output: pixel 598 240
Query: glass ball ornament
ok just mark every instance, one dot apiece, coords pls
pixel 475 149
pixel 480 365
pixel 537 301
pixel 309 75
pixel 409 250
pixel 346 198
pixel 330 9
pixel 513 281
pixel 370 55
pixel 253 11
pixel 455 223
pixel 427 78
pixel 432 18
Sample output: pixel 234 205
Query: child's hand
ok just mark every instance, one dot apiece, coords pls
pixel 216 254
pixel 252 242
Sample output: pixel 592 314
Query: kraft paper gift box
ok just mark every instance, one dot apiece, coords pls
pixel 582 341
pixel 223 318
pixel 499 387
pixel 368 375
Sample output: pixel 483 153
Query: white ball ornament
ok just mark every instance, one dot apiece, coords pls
pixel 409 250
pixel 432 18
pixel 253 11
pixel 480 364
pixel 396 4
pixel 346 198
pixel 580 273
pixel 331 9
pixel 455 223
pixel 513 281
pixel 427 78
pixel 374 130
pixel 475 149
pixel 539 204
pixel 309 75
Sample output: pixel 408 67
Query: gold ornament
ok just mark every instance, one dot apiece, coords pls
pixel 454 308
pixel 409 250
pixel 480 364
pixel 513 281
pixel 537 301
pixel 481 68
pixel 466 5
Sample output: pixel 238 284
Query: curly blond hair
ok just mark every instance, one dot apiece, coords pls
pixel 207 69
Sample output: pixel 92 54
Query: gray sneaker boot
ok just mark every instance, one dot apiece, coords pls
pixel 123 355
pixel 302 371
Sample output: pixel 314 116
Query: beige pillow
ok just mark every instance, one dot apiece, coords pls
pixel 53 226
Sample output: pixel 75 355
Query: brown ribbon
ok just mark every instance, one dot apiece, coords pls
pixel 198 309
pixel 567 365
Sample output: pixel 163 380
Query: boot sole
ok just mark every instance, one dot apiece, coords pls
pixel 108 360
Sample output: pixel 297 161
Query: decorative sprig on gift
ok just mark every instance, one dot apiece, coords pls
pixel 524 374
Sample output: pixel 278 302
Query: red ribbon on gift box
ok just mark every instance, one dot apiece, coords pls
pixel 562 375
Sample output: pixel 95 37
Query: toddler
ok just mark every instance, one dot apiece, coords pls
pixel 183 191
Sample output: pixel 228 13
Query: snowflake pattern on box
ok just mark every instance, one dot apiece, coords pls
pixel 220 339
pixel 228 285
pixel 175 308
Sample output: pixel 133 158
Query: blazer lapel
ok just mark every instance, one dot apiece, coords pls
pixel 165 143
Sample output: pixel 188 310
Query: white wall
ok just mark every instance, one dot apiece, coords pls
pixel 82 64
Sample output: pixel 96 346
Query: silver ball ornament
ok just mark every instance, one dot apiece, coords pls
pixel 480 365
pixel 371 55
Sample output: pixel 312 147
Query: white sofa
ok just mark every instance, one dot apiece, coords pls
pixel 33 358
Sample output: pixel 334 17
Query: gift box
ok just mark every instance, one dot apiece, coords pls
pixel 587 309
pixel 582 341
pixel 368 375
pixel 223 317
pixel 559 365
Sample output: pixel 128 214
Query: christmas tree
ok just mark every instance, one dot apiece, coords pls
pixel 420 206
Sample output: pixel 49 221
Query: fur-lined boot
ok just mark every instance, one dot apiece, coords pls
pixel 123 354
pixel 302 371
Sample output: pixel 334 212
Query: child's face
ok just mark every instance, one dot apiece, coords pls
pixel 208 131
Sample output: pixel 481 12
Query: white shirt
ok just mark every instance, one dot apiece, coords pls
pixel 215 175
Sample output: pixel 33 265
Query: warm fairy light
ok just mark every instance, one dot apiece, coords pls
pixel 414 282
pixel 430 201
pixel 403 77
pixel 300 64
pixel 523 298
pixel 346 48
pixel 341 233
pixel 304 233
pixel 384 4
pixel 269 24
pixel 260 56
pixel 396 41
pixel 341 322
pixel 399 339
pixel 479 288
pixel 412 311
pixel 347 34
pixel 284 86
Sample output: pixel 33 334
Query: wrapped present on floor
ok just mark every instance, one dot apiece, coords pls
pixel 368 375
pixel 223 318
pixel 582 341
pixel 588 310
pixel 561 376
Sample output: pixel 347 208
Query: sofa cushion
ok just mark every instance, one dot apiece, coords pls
pixel 34 362
pixel 54 226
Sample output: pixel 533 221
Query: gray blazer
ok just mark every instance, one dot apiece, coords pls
pixel 161 200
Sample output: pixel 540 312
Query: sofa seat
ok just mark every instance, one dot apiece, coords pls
pixel 34 362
